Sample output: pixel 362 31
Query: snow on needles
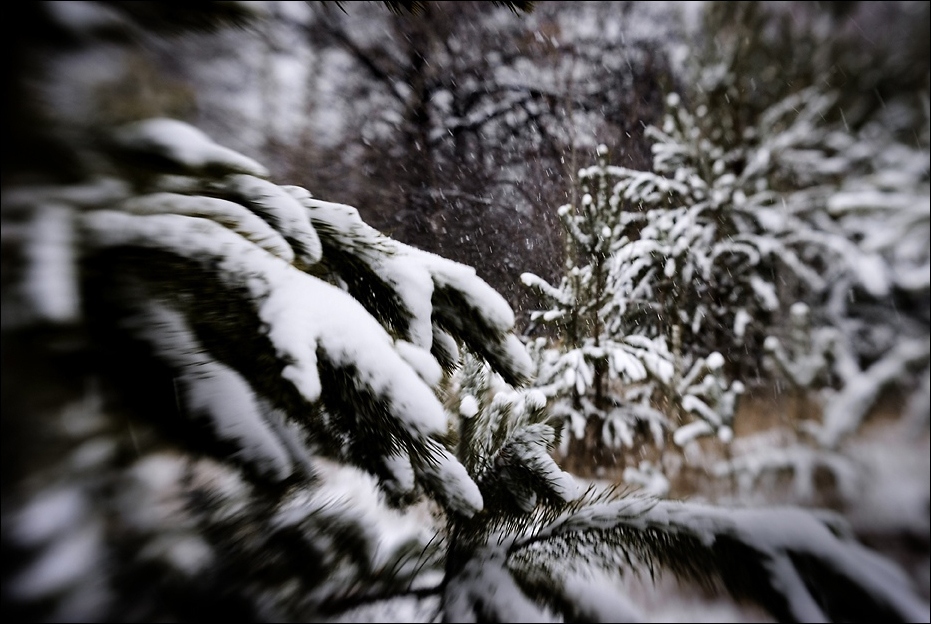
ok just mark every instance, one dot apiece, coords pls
pixel 213 389
pixel 184 145
pixel 258 240
pixel 234 216
pixel 418 279
pixel 780 536
pixel 289 303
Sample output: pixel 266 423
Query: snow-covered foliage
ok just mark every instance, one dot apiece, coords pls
pixel 242 291
pixel 593 353
pixel 303 425
pixel 758 249
pixel 505 440
pixel 730 547
pixel 251 237
pixel 619 358
pixel 710 230
pixel 869 333
pixel 706 396
pixel 813 181
pixel 264 430
pixel 720 233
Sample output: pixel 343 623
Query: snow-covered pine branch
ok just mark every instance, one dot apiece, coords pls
pixel 278 367
pixel 416 294
pixel 505 440
pixel 787 560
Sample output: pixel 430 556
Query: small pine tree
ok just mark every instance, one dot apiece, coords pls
pixel 596 352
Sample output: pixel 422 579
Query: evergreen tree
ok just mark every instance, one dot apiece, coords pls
pixel 776 197
pixel 748 209
pixel 595 352
pixel 819 144
pixel 634 278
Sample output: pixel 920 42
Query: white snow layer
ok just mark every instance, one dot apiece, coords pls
pixel 214 390
pixel 468 406
pixel 302 313
pixel 414 275
pixel 281 210
pixel 777 533
pixel 185 145
pixel 234 216
pixel 484 590
pixel 455 486
pixel 50 279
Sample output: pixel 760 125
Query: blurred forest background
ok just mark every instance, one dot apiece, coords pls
pixel 711 219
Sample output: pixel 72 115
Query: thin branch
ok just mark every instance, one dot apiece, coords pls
pixel 365 59
pixel 341 604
